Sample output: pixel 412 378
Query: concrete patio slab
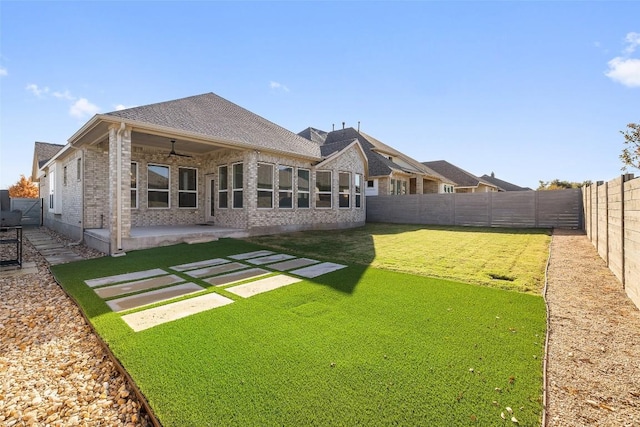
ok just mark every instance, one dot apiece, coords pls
pixel 248 255
pixel 151 297
pixel 263 285
pixel 158 315
pixel 317 270
pixel 127 277
pixel 137 286
pixel 199 264
pixel 236 276
pixel 269 259
pixel 294 263
pixel 218 269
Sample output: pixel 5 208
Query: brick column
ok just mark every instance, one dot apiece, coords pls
pixel 122 144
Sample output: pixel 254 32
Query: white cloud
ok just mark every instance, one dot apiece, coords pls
pixel 278 86
pixel 624 69
pixel 36 90
pixel 3 72
pixel 123 107
pixel 633 41
pixel 64 95
pixel 82 108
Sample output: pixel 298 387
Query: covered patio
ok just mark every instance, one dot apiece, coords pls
pixel 165 235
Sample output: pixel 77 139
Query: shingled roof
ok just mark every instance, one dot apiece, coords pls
pixel 460 177
pixel 213 117
pixel 503 185
pixel 42 153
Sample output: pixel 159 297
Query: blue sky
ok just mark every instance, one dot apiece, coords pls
pixel 528 90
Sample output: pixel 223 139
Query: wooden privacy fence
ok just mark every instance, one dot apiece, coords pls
pixel 612 222
pixel 516 209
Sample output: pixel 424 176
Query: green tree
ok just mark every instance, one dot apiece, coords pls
pixel 556 184
pixel 24 188
pixel 631 153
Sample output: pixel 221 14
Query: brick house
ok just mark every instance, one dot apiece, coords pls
pixel 196 160
pixel 390 172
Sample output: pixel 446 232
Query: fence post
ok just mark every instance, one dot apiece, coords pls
pixel 606 217
pixel 622 181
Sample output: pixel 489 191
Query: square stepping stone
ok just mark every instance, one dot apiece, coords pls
pixel 139 300
pixel 199 264
pixel 317 270
pixel 293 263
pixel 269 259
pixel 218 269
pixel 263 285
pixel 236 276
pixel 250 255
pixel 177 310
pixel 124 277
pixel 137 286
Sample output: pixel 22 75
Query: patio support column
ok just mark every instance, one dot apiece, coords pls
pixel 119 186
pixel 419 184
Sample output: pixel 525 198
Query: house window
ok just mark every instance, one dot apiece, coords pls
pixel 398 187
pixel 358 190
pixel 134 185
pixel 303 188
pixel 52 189
pixel 265 185
pixel 79 169
pixel 158 186
pixel 64 176
pixel 187 188
pixel 237 185
pixel 370 183
pixel 323 189
pixel 285 189
pixel 344 189
pixel 223 187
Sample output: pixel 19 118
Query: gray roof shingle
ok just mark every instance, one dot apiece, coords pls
pixel 216 118
pixel 503 185
pixel 44 151
pixel 460 177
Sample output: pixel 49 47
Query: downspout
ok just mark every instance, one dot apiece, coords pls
pixel 119 187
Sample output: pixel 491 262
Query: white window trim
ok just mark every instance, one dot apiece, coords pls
pixel 307 191
pixel 290 192
pixel 226 189
pixel 237 189
pixel 270 190
pixel 188 191
pixel 330 192
pixel 135 189
pixel 347 192
pixel 358 177
pixel 168 190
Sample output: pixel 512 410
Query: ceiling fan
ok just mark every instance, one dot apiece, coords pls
pixel 173 150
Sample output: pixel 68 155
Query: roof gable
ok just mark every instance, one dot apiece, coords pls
pixel 460 177
pixel 43 152
pixel 503 185
pixel 212 116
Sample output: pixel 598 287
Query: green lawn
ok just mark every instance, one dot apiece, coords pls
pixel 360 346
pixel 512 259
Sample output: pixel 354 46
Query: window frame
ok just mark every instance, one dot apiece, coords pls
pixel 194 191
pixel 223 189
pixel 79 169
pixel 289 192
pixel 237 189
pixel 302 191
pixel 324 192
pixel 357 190
pixel 344 192
pixel 134 189
pixel 159 190
pixel 262 189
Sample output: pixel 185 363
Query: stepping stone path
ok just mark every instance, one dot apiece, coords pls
pixel 159 286
pixel 52 250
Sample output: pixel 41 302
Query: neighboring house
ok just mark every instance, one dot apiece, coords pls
pixel 503 185
pixel 196 160
pixel 390 171
pixel 464 182
pixel 42 153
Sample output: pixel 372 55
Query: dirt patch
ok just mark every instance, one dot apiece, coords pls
pixel 594 341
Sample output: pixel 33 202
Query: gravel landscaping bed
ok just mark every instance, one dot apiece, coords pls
pixel 55 372
pixel 594 341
